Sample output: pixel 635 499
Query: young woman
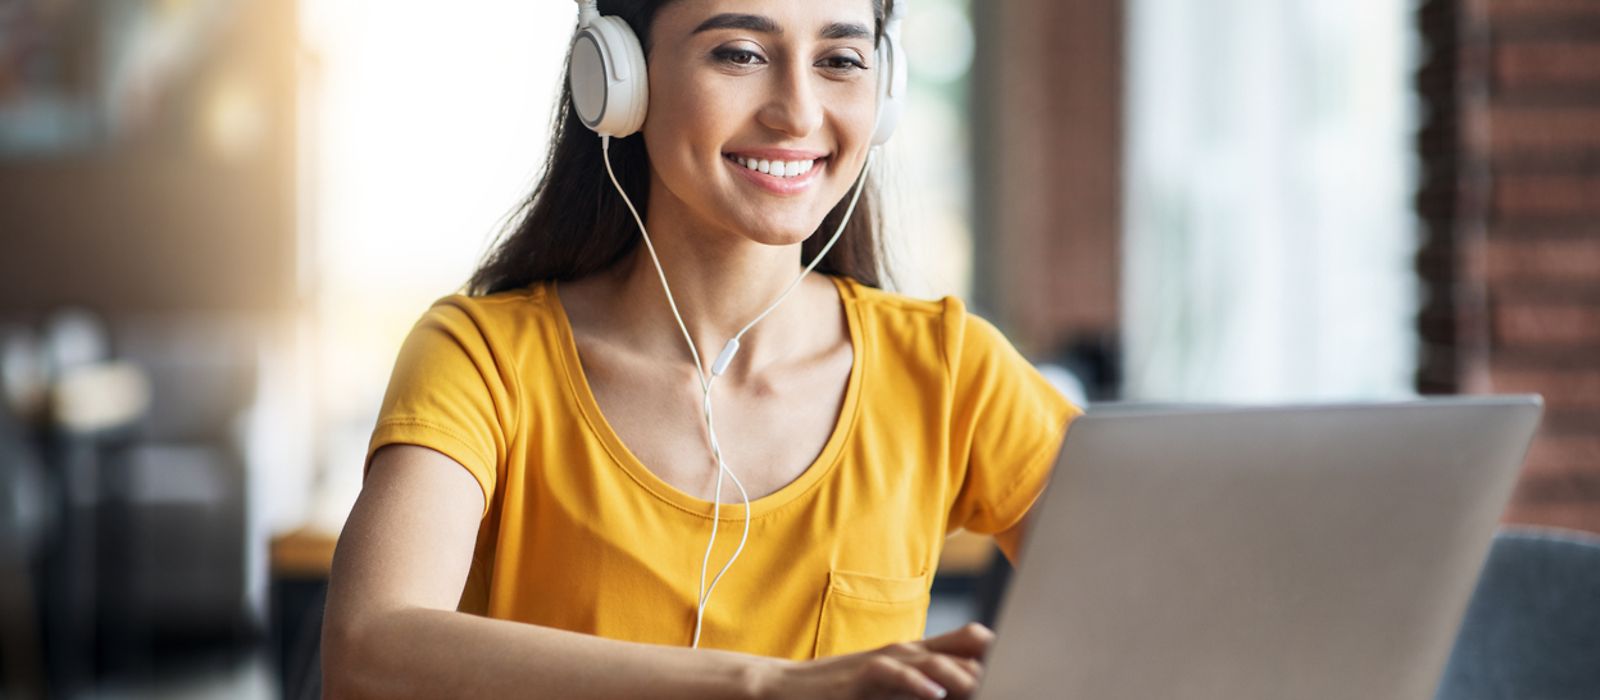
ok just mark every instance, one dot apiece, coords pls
pixel 546 474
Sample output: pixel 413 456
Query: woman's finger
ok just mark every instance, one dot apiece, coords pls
pixel 950 672
pixel 893 675
pixel 971 641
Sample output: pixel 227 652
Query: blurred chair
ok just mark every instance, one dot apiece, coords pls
pixel 301 561
pixel 1532 630
pixel 21 525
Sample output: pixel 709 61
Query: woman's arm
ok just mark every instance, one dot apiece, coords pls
pixel 391 629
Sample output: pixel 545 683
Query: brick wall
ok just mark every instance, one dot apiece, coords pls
pixel 1510 200
pixel 1047 243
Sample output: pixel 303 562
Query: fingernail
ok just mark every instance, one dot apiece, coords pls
pixel 935 689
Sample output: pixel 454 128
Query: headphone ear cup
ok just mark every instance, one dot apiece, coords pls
pixel 891 85
pixel 607 75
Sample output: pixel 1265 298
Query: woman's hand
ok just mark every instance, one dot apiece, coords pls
pixel 946 666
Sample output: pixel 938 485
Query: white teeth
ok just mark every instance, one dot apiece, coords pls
pixel 777 168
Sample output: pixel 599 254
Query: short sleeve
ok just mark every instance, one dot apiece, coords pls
pixel 1007 424
pixel 449 393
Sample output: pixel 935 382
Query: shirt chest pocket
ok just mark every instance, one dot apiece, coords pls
pixel 866 611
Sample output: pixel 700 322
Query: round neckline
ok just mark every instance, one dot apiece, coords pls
pixel 578 382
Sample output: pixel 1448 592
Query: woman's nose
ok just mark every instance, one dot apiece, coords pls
pixel 793 107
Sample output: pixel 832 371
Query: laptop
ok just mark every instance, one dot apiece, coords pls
pixel 1258 553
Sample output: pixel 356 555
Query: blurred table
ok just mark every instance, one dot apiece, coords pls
pixel 966 554
pixel 303 553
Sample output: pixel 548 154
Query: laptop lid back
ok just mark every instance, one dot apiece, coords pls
pixel 1254 553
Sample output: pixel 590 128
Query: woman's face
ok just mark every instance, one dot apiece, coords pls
pixel 738 87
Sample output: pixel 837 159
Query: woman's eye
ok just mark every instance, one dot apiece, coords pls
pixel 842 63
pixel 738 57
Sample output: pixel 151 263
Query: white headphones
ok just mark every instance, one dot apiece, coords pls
pixel 611 88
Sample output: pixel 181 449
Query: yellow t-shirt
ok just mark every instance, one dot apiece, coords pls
pixel 944 426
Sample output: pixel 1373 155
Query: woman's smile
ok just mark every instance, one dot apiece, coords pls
pixel 778 171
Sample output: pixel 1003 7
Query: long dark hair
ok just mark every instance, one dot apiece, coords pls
pixel 574 224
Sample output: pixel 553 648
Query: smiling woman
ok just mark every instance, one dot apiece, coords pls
pixel 544 488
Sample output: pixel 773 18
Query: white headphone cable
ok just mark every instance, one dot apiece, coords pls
pixel 719 366
pixel 723 360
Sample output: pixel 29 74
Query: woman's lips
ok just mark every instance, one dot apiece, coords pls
pixel 778 185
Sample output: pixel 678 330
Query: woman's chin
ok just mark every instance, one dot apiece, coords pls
pixel 782 237
pixel 779 233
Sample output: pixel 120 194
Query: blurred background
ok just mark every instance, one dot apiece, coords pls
pixel 219 218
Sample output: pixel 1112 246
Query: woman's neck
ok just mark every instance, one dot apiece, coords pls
pixel 721 281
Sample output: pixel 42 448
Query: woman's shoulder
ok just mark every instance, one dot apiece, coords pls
pixel 910 326
pixel 509 328
pixel 894 303
pixel 496 314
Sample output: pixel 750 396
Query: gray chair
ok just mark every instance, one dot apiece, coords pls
pixel 1532 630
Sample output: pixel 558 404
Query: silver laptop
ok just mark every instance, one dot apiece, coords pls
pixel 1258 553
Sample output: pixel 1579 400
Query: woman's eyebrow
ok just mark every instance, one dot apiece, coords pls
pixel 730 20
pixel 765 25
pixel 846 30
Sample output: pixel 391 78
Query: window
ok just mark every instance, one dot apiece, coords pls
pixel 1269 229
